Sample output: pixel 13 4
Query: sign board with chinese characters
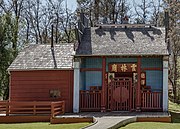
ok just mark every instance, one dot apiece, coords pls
pixel 123 67
pixel 110 77
pixel 143 78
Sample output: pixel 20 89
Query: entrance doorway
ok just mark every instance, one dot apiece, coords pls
pixel 120 93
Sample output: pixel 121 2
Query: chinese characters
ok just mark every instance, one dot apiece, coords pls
pixel 123 67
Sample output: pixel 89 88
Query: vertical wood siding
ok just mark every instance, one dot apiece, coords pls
pixel 151 63
pixel 155 80
pixel 91 63
pixel 91 78
pixel 35 86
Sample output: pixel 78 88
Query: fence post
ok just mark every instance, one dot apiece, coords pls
pixel 7 108
pixel 52 109
pixel 34 108
pixel 63 107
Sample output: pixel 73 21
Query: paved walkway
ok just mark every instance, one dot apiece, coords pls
pixel 113 120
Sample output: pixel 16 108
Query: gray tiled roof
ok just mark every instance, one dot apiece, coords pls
pixel 43 57
pixel 123 41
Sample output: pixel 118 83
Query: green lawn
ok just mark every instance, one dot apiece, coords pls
pixel 175 114
pixel 151 125
pixel 174 110
pixel 42 126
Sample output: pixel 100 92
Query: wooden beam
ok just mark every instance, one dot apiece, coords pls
pixel 90 69
pixel 103 98
pixel 138 90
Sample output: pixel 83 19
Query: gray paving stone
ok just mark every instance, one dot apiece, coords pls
pixel 110 122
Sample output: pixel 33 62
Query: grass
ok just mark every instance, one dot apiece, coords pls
pixel 151 125
pixel 175 114
pixel 44 125
pixel 174 109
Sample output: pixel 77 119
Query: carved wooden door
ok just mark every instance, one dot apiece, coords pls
pixel 120 94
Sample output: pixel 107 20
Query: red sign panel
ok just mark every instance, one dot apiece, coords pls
pixel 123 67
pixel 143 78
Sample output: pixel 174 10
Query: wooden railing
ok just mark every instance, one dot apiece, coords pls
pixel 31 108
pixel 90 100
pixel 4 108
pixel 57 108
pixel 151 100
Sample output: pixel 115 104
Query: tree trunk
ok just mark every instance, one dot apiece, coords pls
pixel 96 11
pixel 175 78
pixel 27 31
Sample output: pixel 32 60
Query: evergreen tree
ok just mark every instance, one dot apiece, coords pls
pixel 7 26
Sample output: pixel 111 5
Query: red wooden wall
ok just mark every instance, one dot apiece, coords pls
pixel 35 86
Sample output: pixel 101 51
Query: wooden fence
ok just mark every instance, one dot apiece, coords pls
pixel 151 100
pixel 90 100
pixel 32 108
pixel 57 108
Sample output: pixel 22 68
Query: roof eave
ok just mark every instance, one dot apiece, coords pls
pixel 123 55
pixel 39 69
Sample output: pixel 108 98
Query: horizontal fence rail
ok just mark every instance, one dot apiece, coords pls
pixel 4 108
pixel 90 100
pixel 151 100
pixel 31 108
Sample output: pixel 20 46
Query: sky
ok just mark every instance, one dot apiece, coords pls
pixel 72 4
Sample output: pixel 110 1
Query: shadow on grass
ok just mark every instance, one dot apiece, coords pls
pixel 175 116
pixel 174 110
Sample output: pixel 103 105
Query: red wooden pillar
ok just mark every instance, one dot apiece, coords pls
pixel 103 94
pixel 138 89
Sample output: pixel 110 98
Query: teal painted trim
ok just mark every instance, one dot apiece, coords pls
pixel 119 60
pixel 93 78
pixel 91 63
pixel 155 80
pixel 151 63
pixel 90 78
pixel 145 62
pixel 82 81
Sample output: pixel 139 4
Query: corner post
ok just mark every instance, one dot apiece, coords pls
pixel 103 94
pixel 138 90
pixel 76 86
pixel 165 83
